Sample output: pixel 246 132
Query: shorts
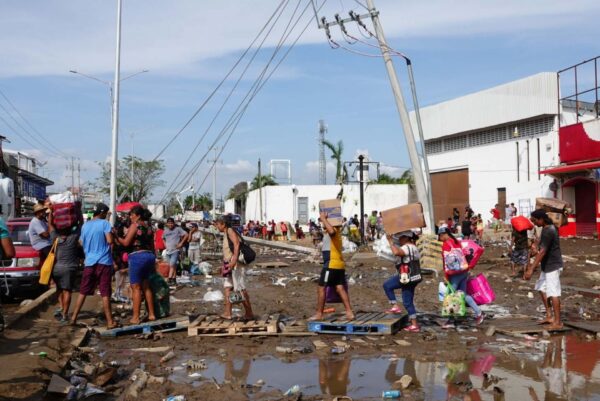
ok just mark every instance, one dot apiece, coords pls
pixel 549 283
pixel 332 277
pixel 173 258
pixel 236 280
pixel 98 275
pixel 520 256
pixel 141 266
pixel 64 277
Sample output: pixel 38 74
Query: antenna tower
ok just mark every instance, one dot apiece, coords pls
pixel 322 164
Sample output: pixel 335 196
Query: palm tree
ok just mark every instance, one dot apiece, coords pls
pixel 388 179
pixel 407 178
pixel 336 154
pixel 265 180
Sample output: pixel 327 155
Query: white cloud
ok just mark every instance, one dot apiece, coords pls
pixel 51 37
pixel 240 166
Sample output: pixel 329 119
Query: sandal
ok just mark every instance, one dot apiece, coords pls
pixel 114 326
pixel 412 329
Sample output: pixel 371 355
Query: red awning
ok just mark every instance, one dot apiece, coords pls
pixel 569 168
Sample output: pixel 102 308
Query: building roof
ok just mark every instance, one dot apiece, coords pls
pixel 523 99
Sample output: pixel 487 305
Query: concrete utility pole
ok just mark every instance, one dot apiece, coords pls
pixel 131 135
pixel 115 121
pixel 260 191
pixel 214 194
pixel 418 175
pixel 361 159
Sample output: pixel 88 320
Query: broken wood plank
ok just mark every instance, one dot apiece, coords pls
pixel 589 326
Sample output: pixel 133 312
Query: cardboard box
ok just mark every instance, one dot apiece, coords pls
pixel 333 208
pixel 559 219
pixel 403 218
pixel 553 205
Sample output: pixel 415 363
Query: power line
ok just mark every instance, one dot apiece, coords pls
pixel 220 83
pixel 236 116
pixel 17 133
pixel 30 125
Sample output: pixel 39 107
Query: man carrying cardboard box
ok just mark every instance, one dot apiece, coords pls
pixel 333 273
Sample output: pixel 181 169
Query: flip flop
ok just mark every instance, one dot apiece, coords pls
pixel 545 321
pixel 314 318
pixel 114 326
pixel 226 317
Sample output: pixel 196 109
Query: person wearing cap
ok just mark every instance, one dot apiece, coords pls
pixel 39 235
pixel 96 238
pixel 458 280
pixel 333 273
pixel 405 251
pixel 549 257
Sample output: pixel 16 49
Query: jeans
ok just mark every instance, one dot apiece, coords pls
pixel 459 283
pixel 408 294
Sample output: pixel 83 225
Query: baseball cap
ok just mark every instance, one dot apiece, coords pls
pixel 101 208
pixel 442 230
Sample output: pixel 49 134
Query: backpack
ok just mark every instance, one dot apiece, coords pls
pixel 247 254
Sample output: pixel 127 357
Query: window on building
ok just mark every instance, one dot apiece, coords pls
pixel 434 146
pixel 455 143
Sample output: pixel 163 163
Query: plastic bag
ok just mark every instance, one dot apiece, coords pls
pixel 442 291
pixel 213 296
pixel 383 250
pixel 348 246
pixel 480 290
pixel 63 197
pixel 205 268
pixel 454 303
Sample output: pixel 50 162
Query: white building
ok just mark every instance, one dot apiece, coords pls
pixel 301 202
pixel 502 145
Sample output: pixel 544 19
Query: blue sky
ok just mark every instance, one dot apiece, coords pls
pixel 187 46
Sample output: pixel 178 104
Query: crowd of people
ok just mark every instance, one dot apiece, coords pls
pixel 130 249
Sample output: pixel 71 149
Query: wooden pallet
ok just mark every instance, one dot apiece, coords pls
pixel 516 326
pixel 168 324
pixel 586 292
pixel 592 326
pixel 215 326
pixel 365 323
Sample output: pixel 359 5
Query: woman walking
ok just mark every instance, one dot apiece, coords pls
pixel 233 272
pixel 68 258
pixel 195 243
pixel 140 238
pixel 457 278
pixel 406 253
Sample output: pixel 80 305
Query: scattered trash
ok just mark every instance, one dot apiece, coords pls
pixel 283 350
pixel 338 350
pixel 170 355
pixel 195 375
pixel 405 381
pixel 391 394
pixel 175 398
pixel 591 262
pixel 42 354
pixel 259 383
pixel 402 343
pixel 530 295
pixel 295 389
pixel 26 302
pixel 490 331
pixel 140 378
pixel 213 296
pixel 196 365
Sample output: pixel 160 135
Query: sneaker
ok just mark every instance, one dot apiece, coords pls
pixel 395 310
pixel 448 325
pixel 479 319
pixel 412 329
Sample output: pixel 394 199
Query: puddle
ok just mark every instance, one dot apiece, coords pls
pixel 566 368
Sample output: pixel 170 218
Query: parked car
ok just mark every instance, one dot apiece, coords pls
pixel 24 272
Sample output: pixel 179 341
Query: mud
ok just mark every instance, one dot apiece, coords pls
pixel 444 364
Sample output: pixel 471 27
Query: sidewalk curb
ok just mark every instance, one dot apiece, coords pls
pixel 31 307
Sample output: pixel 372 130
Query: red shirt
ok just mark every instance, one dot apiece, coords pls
pixel 159 244
pixel 496 213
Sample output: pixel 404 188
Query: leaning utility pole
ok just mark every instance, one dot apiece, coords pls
pixel 214 189
pixel 115 122
pixel 322 162
pixel 404 119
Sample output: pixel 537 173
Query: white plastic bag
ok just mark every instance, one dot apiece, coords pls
pixel 205 268
pixel 213 296
pixel 442 291
pixel 348 246
pixel 383 249
pixel 64 197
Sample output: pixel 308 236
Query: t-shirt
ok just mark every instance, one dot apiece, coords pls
pixel 372 220
pixel 411 253
pixel 173 237
pixel 496 213
pixel 68 253
pixel 36 227
pixel 196 240
pixel 159 244
pixel 549 241
pixel 95 246
pixel 336 260
pixel 521 241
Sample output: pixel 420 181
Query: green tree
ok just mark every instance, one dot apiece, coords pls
pixel 407 178
pixel 135 187
pixel 336 154
pixel 387 179
pixel 265 181
pixel 203 202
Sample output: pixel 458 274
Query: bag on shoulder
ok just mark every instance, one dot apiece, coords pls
pixel 48 266
pixel 410 273
pixel 455 261
pixel 247 254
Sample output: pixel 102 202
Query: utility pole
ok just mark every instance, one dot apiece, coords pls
pixel 78 177
pixel 404 118
pixel 361 159
pixel 214 194
pixel 260 192
pixel 131 135
pixel 115 121
pixel 322 161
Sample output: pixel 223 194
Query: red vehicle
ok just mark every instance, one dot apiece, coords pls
pixel 24 272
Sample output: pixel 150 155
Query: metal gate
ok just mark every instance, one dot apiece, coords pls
pixel 303 210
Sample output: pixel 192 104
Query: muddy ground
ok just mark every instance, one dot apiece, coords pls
pixel 235 364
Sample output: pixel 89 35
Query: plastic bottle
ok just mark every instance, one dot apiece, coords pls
pixel 295 389
pixel 391 394
pixel 338 350
pixel 175 398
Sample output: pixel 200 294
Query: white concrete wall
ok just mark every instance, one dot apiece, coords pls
pixel 230 205
pixel 495 166
pixel 280 203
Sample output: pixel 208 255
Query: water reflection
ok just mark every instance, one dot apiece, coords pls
pixel 562 368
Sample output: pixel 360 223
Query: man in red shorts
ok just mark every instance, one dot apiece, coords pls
pixel 96 237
